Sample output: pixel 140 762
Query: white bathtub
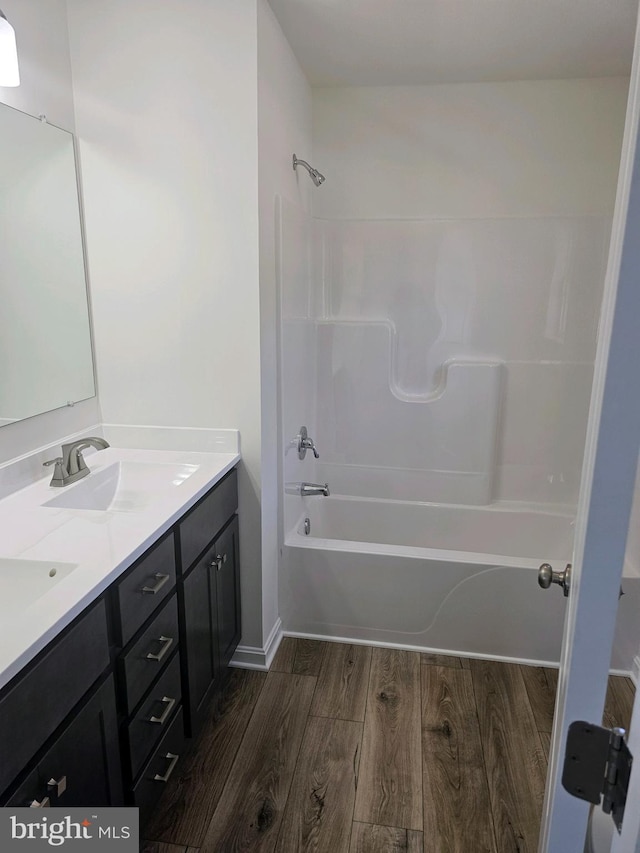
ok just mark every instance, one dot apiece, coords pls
pixel 431 577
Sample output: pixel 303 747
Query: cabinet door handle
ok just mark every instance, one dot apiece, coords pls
pixel 57 786
pixel 167 643
pixel 173 761
pixel 160 582
pixel 219 560
pixel 44 804
pixel 163 717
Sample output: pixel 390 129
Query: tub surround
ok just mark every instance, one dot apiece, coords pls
pixel 504 535
pixel 436 578
pixel 100 544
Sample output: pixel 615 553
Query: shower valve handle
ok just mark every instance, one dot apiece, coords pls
pixel 305 443
pixel 311 446
pixel 546 576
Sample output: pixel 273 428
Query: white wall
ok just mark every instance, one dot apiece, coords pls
pixel 43 56
pixel 475 219
pixel 166 111
pixel 284 127
pixel 45 71
pixel 530 148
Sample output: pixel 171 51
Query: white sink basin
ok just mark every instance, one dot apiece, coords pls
pixel 124 486
pixel 24 581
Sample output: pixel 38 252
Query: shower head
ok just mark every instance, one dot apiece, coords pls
pixel 316 177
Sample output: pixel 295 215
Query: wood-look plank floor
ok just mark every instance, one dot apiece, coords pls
pixel 541 684
pixel 342 686
pixel 320 806
pixel 619 704
pixel 430 659
pixel 370 838
pixel 390 779
pixel 250 810
pixel 160 847
pixel 457 812
pixel 348 749
pixel 186 809
pixel 513 755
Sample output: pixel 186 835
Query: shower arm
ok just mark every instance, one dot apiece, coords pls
pixel 315 175
pixel 297 162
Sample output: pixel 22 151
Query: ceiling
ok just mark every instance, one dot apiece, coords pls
pixel 411 42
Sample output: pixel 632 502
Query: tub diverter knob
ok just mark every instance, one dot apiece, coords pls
pixel 546 576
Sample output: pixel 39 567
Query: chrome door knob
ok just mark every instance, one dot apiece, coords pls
pixel 546 576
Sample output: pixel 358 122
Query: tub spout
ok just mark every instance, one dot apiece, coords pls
pixel 307 489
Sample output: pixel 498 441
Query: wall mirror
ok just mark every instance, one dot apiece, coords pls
pixel 45 339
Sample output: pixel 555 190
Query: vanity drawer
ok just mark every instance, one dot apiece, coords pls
pixel 34 706
pixel 150 653
pixel 207 518
pixel 145 586
pixel 154 715
pixel 162 765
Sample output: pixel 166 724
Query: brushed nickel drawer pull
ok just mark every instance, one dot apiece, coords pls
pixel 34 804
pixel 60 785
pixel 168 642
pixel 174 760
pixel 163 717
pixel 160 582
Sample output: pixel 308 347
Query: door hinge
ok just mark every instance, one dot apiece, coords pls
pixel 597 764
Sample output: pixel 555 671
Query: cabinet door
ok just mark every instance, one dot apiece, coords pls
pixel 199 637
pixel 82 768
pixel 209 516
pixel 47 691
pixel 228 593
pixel 31 793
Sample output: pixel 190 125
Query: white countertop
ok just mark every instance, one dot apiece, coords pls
pixel 101 543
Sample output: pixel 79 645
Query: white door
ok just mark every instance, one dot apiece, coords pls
pixel 604 505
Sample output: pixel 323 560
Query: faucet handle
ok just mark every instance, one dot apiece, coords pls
pixel 59 472
pixel 304 443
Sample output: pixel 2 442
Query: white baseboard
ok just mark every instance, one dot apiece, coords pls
pixel 254 657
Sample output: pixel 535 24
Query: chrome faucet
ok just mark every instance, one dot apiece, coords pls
pixel 308 489
pixel 71 465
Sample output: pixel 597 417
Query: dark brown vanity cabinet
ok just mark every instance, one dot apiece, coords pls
pixel 82 766
pixel 59 740
pixel 148 668
pixel 227 593
pixel 210 598
pixel 200 643
pixel 101 716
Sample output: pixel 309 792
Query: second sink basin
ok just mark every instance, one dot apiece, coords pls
pixel 123 486
pixel 24 581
